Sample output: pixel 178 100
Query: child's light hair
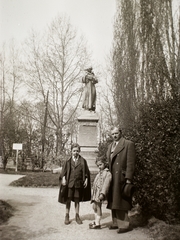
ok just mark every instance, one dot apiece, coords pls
pixel 102 159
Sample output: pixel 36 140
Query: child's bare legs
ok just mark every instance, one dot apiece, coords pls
pixel 97 212
pixel 68 206
pixel 77 205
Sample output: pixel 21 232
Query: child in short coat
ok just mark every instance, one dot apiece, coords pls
pixel 76 176
pixel 100 190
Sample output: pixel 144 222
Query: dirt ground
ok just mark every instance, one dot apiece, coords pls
pixel 39 216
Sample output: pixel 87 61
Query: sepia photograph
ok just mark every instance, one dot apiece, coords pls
pixel 90 119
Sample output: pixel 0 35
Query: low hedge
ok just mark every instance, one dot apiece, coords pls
pixel 6 211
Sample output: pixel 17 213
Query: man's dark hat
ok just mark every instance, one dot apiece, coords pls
pixel 127 191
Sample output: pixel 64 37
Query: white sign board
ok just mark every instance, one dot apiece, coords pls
pixel 17 146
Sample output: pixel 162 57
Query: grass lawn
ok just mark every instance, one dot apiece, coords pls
pixel 34 179
pixel 37 179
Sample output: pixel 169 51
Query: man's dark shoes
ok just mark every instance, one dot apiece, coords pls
pixel 67 219
pixel 112 227
pixel 78 220
pixel 124 230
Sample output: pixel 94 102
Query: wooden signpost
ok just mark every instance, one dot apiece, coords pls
pixel 17 147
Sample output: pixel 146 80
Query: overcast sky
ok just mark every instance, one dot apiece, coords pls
pixel 94 18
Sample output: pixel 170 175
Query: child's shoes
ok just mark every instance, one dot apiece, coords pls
pixel 91 224
pixel 78 220
pixel 94 226
pixel 67 219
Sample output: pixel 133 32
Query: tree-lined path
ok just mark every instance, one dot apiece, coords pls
pixel 39 216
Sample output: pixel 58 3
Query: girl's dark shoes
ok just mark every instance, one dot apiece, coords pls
pixel 67 219
pixel 78 220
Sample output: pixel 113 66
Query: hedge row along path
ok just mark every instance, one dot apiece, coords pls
pixel 39 216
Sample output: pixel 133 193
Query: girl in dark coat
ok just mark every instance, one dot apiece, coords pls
pixel 74 183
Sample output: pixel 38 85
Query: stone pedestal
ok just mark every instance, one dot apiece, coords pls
pixel 88 137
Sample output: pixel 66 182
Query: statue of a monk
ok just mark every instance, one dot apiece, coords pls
pixel 89 94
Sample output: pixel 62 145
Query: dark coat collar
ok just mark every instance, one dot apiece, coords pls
pixel 119 147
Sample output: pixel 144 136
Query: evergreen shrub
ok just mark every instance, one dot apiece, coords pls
pixel 157 176
pixel 156 135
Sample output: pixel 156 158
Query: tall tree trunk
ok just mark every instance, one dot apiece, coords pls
pixel 44 131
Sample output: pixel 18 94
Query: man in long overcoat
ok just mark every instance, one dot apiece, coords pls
pixel 121 157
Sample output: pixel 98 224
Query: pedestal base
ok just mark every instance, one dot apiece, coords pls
pixel 88 137
pixel 90 155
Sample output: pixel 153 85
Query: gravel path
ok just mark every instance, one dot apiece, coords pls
pixel 39 216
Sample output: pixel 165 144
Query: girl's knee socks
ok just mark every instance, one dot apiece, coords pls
pixel 97 219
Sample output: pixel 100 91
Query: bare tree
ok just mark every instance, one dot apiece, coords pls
pixel 55 65
pixel 11 72
pixel 106 108
pixel 2 102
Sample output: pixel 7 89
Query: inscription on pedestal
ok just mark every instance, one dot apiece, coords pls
pixel 87 135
